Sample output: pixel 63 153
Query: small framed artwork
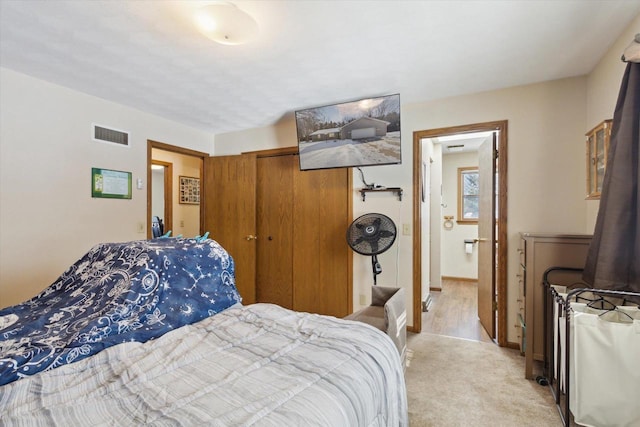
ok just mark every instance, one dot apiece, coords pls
pixel 189 190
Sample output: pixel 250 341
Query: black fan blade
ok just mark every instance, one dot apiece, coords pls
pixel 371 234
pixel 386 233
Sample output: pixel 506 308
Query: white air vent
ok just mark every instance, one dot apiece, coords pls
pixel 113 136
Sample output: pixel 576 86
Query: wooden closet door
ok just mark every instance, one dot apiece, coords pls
pixel 321 257
pixel 229 199
pixel 274 283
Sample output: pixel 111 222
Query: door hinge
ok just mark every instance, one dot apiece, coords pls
pixel 495 154
pixel 494 305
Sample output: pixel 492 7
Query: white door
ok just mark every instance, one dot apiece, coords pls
pixel 363 133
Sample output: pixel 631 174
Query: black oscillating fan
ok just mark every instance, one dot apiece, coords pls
pixel 372 234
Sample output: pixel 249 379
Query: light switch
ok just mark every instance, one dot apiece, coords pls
pixel 139 184
pixel 406 229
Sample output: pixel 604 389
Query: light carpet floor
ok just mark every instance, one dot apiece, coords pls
pixel 458 382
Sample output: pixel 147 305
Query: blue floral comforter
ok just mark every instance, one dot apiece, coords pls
pixel 117 292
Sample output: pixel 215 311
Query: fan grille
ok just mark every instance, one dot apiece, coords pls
pixel 371 234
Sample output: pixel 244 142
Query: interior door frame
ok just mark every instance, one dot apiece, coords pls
pixel 151 144
pixel 501 235
pixel 168 193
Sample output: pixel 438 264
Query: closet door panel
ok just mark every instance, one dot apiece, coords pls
pixel 274 222
pixel 320 253
pixel 230 214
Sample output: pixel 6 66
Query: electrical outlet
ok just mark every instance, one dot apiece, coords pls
pixel 363 300
pixel 406 229
pixel 182 223
pixel 141 227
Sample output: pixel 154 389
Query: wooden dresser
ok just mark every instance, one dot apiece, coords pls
pixel 537 252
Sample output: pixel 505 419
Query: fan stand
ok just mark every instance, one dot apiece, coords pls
pixel 377 269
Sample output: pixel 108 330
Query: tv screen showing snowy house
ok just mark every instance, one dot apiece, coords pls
pixel 351 134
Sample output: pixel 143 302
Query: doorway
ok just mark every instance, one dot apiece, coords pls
pixel 179 218
pixel 162 195
pixel 497 304
pixel 453 312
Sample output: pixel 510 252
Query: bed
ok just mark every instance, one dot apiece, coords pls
pixel 258 365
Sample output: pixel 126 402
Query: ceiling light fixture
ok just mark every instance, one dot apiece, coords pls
pixel 224 23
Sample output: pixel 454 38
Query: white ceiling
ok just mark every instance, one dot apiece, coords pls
pixel 148 54
pixel 462 142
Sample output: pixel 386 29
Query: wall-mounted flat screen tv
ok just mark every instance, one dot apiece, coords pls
pixel 365 132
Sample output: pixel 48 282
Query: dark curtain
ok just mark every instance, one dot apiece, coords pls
pixel 613 261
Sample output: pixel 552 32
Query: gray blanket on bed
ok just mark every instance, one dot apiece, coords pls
pixel 258 365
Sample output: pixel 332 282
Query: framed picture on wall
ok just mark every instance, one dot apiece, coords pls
pixel 110 184
pixel 189 190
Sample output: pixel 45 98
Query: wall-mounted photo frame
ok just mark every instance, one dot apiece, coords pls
pixel 110 184
pixel 189 190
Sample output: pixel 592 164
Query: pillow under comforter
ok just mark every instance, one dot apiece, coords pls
pixel 117 292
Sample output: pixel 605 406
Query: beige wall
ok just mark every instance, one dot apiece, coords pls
pixel 436 221
pixel 455 262
pixel 603 86
pixel 282 134
pixel 429 153
pixel 157 195
pixel 48 219
pixel 546 168
pixel 186 218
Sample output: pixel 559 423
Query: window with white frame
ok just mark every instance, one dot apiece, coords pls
pixel 468 195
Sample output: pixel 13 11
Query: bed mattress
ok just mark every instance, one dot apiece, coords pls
pixel 256 365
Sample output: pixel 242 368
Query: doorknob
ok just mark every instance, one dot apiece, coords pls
pixel 251 237
pixel 483 239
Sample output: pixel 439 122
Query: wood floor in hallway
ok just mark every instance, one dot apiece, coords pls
pixel 454 312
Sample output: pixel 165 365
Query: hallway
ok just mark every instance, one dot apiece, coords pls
pixel 454 312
